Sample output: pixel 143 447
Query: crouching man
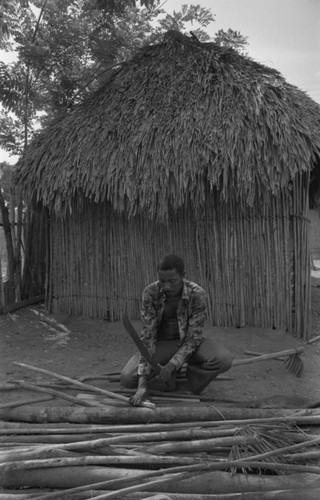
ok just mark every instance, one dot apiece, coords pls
pixel 173 315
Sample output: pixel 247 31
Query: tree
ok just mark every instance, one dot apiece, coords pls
pixel 232 39
pixel 5 183
pixel 66 48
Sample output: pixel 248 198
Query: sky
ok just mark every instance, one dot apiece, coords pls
pixel 282 34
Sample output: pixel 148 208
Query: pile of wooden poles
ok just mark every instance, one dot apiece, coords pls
pixel 189 450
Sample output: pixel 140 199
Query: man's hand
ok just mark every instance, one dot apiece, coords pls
pixel 166 372
pixel 142 392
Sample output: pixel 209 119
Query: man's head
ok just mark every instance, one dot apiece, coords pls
pixel 170 273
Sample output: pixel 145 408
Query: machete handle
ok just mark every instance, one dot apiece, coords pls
pixel 171 384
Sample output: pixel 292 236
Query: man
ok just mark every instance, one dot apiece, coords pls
pixel 173 314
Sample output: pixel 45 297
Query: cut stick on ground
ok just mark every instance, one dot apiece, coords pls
pixel 167 478
pixel 58 394
pixel 51 321
pixel 255 353
pixel 314 339
pixel 23 402
pixel 48 438
pixel 170 397
pixel 110 378
pixel 121 481
pixel 125 439
pixel 57 428
pixel 8 386
pixel 50 385
pixel 125 460
pixel 199 445
pixel 304 456
pixel 115 377
pixel 187 432
pixel 100 400
pixel 76 383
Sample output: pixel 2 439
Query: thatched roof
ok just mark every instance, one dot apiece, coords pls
pixel 177 118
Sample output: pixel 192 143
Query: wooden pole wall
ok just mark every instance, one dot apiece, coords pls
pixel 254 263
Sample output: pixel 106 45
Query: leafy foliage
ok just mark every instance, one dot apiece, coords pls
pixel 6 173
pixel 67 48
pixel 232 39
pixel 120 5
pixel 189 14
pixel 10 88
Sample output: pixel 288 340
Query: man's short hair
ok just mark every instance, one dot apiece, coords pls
pixel 171 261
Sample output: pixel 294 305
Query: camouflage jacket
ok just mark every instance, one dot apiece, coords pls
pixel 191 315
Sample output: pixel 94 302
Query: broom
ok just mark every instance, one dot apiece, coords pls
pixel 293 362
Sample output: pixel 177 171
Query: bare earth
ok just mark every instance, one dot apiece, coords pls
pixel 76 347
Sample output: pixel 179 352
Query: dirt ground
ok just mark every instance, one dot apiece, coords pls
pixel 76 346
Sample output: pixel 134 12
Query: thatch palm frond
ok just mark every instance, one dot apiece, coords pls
pixel 177 118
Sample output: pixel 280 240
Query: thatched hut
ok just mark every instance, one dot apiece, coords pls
pixel 192 148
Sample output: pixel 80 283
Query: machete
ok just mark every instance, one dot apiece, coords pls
pixel 139 344
pixel 143 350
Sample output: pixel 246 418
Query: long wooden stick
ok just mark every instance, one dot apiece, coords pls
pixel 283 494
pixel 93 444
pixel 25 428
pixel 199 445
pixel 124 460
pixel 309 493
pixel 151 437
pixel 143 481
pixel 285 449
pixel 111 415
pixel 167 478
pixel 273 355
pixel 14 404
pixel 76 383
pixel 314 339
pixel 121 481
pixel 58 394
pixel 138 477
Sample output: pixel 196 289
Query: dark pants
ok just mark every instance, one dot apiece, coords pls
pixel 210 359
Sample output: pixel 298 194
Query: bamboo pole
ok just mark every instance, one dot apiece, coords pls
pixel 124 460
pixel 49 438
pixel 200 445
pixel 144 481
pixel 166 479
pixel 303 456
pixel 283 494
pixel 191 435
pixel 58 394
pixel 65 428
pixel 285 200
pixel 22 402
pixel 296 238
pixel 306 262
pixel 284 449
pixel 200 413
pixel 213 479
pixel 80 384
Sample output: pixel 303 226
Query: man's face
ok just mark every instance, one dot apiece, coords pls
pixel 170 281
